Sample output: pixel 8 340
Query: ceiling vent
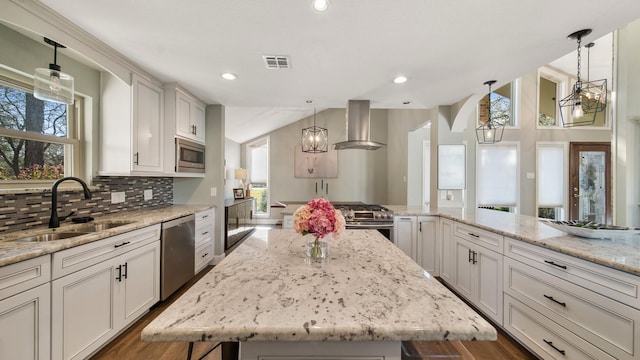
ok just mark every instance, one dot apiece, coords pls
pixel 276 61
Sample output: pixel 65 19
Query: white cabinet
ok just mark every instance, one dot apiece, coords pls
pixel 204 231
pixel 184 114
pixel 445 240
pixel 565 293
pixel 131 127
pixel 405 235
pixel 102 291
pixel 428 245
pixel 478 273
pixel 25 317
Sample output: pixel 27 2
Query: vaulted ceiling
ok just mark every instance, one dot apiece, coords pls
pixel 446 49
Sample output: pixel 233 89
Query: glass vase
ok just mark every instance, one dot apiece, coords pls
pixel 317 250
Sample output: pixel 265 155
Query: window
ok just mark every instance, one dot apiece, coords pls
pixel 552 86
pixel 497 176
pixel 551 179
pixel 37 138
pixel 503 104
pixel 258 160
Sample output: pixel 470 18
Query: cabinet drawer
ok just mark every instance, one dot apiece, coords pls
pixel 204 226
pixel 18 277
pixel 603 322
pixel 204 254
pixel 479 236
pixel 68 261
pixel 546 338
pixel 615 284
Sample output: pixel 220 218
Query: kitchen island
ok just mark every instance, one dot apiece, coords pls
pixel 364 300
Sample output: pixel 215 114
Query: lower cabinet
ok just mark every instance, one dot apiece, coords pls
pixel 92 305
pixel 428 245
pixel 25 324
pixel 445 242
pixel 204 235
pixel 404 235
pixel 478 277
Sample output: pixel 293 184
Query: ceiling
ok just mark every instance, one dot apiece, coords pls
pixel 446 49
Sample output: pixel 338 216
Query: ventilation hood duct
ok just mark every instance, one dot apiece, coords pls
pixel 358 124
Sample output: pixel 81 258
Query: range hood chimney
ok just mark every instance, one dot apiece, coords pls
pixel 358 124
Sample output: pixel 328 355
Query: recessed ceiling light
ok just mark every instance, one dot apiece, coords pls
pixel 320 5
pixel 400 79
pixel 229 76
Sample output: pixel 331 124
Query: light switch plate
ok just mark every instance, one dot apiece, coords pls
pixel 148 194
pixel 117 197
pixel 214 191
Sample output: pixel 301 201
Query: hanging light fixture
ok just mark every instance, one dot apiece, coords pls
pixel 491 130
pixel 52 84
pixel 315 139
pixel 587 99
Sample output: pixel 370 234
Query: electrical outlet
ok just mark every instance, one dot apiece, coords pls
pixel 148 194
pixel 117 197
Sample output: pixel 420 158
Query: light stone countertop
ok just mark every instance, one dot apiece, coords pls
pixel 368 290
pixel 15 251
pixel 622 253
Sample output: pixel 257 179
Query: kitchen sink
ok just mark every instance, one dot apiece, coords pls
pixel 100 226
pixel 50 236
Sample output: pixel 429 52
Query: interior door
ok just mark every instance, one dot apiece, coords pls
pixel 590 182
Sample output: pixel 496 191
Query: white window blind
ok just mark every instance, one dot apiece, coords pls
pixel 551 180
pixel 497 170
pixel 259 164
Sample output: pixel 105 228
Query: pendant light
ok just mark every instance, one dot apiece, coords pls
pixel 587 99
pixel 52 84
pixel 315 139
pixel 490 131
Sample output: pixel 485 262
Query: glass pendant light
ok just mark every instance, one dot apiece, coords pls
pixel 52 84
pixel 490 131
pixel 587 100
pixel 315 139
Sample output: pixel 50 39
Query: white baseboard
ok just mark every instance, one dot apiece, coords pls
pixel 216 259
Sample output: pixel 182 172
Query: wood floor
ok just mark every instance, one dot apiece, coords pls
pixel 128 345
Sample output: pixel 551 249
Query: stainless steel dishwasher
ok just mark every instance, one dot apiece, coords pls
pixel 177 255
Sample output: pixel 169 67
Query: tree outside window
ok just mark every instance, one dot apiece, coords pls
pixel 33 134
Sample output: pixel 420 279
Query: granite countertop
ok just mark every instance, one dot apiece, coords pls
pixel 15 251
pixel 622 253
pixel 368 290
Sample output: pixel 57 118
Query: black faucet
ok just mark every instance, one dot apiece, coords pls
pixel 54 221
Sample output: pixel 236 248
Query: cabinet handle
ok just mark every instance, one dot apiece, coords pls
pixel 420 226
pixel 554 300
pixel 470 256
pixel 205 216
pixel 205 255
pixel 125 271
pixel 119 277
pixel 550 343
pixel 474 235
pixel 205 233
pixel 475 261
pixel 135 158
pixel 554 264
pixel 316 188
pixel 123 244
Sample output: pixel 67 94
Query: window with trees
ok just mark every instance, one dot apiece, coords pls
pixel 37 138
pixel 258 165
pixel 503 102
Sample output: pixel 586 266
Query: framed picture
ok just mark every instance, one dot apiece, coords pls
pixel 238 193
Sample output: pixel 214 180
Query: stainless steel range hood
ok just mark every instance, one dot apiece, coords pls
pixel 358 123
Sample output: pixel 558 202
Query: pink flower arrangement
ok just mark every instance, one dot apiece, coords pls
pixel 318 217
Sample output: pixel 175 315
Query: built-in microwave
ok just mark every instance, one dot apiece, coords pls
pixel 189 156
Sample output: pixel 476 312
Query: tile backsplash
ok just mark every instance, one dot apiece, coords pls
pixel 32 210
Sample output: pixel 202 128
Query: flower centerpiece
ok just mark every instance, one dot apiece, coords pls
pixel 319 218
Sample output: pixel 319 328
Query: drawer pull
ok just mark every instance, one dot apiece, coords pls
pixel 550 343
pixel 555 301
pixel 205 233
pixel 474 235
pixel 123 244
pixel 205 216
pixel 554 264
pixel 205 255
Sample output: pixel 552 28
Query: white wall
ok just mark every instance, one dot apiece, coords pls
pixel 233 161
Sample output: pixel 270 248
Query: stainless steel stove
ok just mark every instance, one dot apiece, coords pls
pixel 366 216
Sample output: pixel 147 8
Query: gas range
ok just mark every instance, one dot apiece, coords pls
pixel 358 213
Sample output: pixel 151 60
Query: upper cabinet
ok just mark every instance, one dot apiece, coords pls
pixel 184 114
pixel 131 127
